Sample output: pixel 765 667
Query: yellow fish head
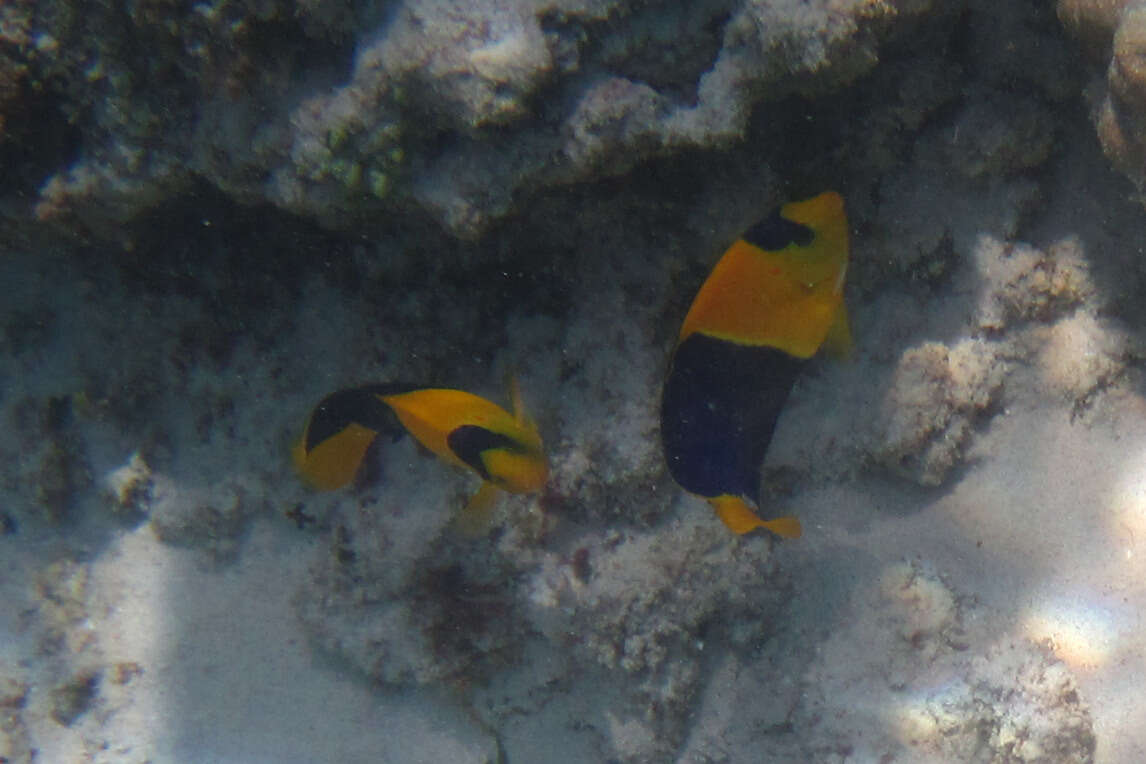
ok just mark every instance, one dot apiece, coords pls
pixel 781 284
pixel 821 262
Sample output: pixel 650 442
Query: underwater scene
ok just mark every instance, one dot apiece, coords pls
pixel 576 381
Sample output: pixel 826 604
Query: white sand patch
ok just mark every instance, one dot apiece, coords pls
pixel 226 674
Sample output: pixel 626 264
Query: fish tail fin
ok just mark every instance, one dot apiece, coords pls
pixel 786 527
pixel 476 517
pixel 735 513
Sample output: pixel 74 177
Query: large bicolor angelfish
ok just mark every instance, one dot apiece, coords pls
pixel 772 301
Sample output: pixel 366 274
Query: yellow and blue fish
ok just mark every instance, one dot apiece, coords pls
pixel 772 301
pixel 461 428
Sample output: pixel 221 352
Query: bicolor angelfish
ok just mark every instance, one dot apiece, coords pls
pixel 461 428
pixel 774 298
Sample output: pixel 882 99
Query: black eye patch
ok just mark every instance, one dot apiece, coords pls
pixel 775 232
pixel 359 405
pixel 469 441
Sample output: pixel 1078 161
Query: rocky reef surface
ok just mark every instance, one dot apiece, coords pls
pixel 345 113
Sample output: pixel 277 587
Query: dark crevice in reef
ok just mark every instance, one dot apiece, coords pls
pixel 36 140
pixel 245 264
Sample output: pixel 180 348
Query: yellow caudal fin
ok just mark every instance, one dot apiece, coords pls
pixel 838 343
pixel 476 518
pixel 786 527
pixel 735 513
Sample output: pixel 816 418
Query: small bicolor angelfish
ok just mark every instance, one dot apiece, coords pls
pixel 504 449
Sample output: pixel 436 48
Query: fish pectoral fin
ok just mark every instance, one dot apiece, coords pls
pixel 735 513
pixel 476 517
pixel 838 343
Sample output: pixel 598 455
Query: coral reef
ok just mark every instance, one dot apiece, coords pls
pixel 73 697
pixel 1113 32
pixel 936 395
pixel 14 743
pixel 452 109
pixel 220 212
pixel 949 701
pixel 401 600
pixel 906 671
pixel 650 607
